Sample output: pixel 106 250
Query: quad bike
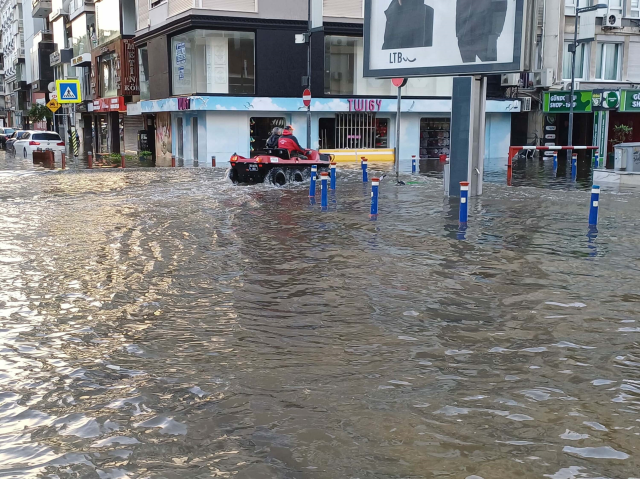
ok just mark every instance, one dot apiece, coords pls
pixel 277 166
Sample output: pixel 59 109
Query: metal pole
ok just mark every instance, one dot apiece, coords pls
pixel 399 109
pixel 573 78
pixel 309 76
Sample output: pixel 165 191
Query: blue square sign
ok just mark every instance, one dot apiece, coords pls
pixel 68 91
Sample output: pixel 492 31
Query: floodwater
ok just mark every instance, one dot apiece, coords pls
pixel 162 323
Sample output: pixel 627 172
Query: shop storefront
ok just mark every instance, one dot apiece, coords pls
pixel 556 121
pixel 201 127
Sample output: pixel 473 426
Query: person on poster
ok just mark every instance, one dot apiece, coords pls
pixel 409 25
pixel 479 24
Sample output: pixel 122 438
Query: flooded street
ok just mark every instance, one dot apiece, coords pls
pixel 162 323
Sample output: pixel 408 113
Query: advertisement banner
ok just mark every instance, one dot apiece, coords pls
pixel 404 38
pixel 630 100
pixel 163 139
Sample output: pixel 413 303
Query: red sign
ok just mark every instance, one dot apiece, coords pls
pixel 306 97
pixel 356 104
pixel 399 82
pixel 129 68
pixel 109 104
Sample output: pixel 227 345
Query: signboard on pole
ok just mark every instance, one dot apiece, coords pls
pixel 306 97
pixel 404 38
pixel 558 102
pixel 53 105
pixel 68 91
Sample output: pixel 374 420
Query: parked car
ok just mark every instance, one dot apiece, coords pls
pixel 4 134
pixel 11 140
pixel 37 140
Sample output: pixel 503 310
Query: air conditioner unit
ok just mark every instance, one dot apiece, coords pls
pixel 510 79
pixel 543 78
pixel 567 86
pixel 612 20
pixel 526 103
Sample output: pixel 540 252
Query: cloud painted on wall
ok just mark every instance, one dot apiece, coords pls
pixel 265 104
pixel 333 105
pixel 223 108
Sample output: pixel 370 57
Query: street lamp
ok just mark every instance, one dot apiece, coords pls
pixel 574 48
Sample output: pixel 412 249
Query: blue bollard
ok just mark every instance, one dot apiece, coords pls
pixel 312 184
pixel 375 186
pixel 464 202
pixel 555 160
pixel 365 178
pixel 324 179
pixel 595 200
pixel 574 166
pixel 413 164
pixel 333 175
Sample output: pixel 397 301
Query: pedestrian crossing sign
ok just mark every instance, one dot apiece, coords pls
pixel 68 91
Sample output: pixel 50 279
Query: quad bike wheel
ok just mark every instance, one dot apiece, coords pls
pixel 232 175
pixel 296 176
pixel 278 177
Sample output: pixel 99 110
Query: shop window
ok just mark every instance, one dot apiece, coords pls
pixel 327 131
pixel 581 62
pixel 609 61
pixel 434 137
pixel 179 138
pixel 108 85
pixel 206 61
pixel 261 129
pixel 143 67
pixel 108 20
pixel 382 133
pixel 340 65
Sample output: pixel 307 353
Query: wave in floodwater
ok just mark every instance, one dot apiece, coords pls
pixel 164 323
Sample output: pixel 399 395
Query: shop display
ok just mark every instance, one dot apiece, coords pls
pixel 434 137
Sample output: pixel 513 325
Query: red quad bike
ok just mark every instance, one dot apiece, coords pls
pixel 276 166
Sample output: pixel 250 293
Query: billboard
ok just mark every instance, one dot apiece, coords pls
pixel 404 38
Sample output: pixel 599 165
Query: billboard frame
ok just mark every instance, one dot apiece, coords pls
pixel 517 65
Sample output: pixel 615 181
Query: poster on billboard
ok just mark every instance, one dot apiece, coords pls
pixel 404 38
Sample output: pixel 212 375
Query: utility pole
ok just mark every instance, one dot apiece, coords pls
pixel 309 28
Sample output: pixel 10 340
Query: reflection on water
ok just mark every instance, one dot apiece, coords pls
pixel 163 323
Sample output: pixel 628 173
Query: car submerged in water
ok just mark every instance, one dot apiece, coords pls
pixel 276 166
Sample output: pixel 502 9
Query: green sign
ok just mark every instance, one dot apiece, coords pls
pixel 630 100
pixel 606 100
pixel 558 101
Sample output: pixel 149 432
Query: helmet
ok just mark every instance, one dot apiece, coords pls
pixel 288 128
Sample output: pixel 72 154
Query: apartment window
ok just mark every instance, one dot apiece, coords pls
pixel 609 61
pixel 206 61
pixel 340 64
pixel 570 7
pixel 108 71
pixel 615 6
pixel 108 20
pixel 581 62
pixel 81 34
pixel 634 8
pixel 143 68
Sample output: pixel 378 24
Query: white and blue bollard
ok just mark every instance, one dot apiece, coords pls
pixel 375 186
pixel 333 175
pixel 574 166
pixel 595 201
pixel 365 178
pixel 312 184
pixel 555 160
pixel 598 165
pixel 464 202
pixel 413 165
pixel 324 196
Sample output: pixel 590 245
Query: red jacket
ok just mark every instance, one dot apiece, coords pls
pixel 289 142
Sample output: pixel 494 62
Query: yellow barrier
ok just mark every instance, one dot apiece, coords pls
pixel 353 156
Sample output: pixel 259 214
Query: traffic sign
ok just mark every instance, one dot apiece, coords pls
pixel 399 82
pixel 53 105
pixel 68 91
pixel 306 97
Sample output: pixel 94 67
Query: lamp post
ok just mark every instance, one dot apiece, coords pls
pixel 574 48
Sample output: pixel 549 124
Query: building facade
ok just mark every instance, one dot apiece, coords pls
pixel 224 74
pixel 15 90
pixel 610 62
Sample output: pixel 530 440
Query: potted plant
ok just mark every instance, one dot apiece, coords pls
pixel 145 156
pixel 621 134
pixel 115 159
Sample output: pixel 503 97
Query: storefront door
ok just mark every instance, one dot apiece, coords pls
pixel 194 140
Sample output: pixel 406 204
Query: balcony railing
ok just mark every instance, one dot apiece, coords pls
pixel 41 8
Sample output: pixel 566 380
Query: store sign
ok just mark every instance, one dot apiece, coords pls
pixel 81 60
pixel 109 104
pixel 130 84
pixel 184 103
pixel 364 105
pixel 630 100
pixel 605 100
pixel 558 102
pixel 55 58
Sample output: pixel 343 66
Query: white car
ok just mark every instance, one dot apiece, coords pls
pixel 38 140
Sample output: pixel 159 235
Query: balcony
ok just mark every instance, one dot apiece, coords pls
pixel 43 36
pixel 58 12
pixel 41 8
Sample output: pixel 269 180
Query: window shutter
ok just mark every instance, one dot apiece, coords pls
pixel 143 14
pixel 343 8
pixel 231 5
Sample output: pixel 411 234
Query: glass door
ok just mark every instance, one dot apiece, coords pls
pixel 194 139
pixel 180 139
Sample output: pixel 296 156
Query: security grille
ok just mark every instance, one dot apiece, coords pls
pixel 355 130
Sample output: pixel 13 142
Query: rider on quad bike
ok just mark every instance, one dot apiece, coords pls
pixel 289 142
